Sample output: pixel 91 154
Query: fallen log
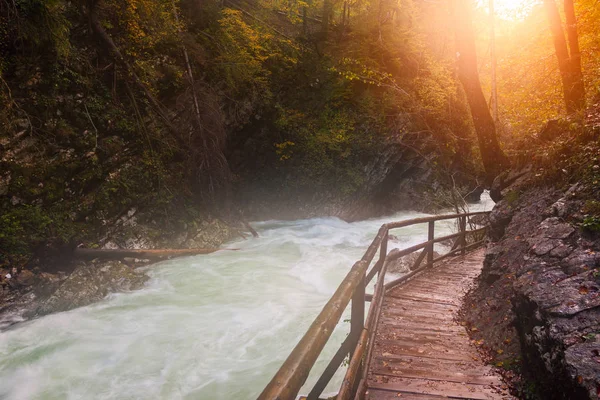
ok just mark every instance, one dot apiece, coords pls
pixel 150 254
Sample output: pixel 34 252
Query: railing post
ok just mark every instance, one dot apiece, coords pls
pixel 430 236
pixel 383 247
pixel 463 238
pixel 357 314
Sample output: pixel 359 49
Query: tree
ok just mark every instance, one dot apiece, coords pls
pixel 493 158
pixel 569 58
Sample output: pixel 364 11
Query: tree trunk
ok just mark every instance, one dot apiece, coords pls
pixel 494 62
pixel 577 88
pixel 493 158
pixel 188 67
pixel 327 7
pixel 150 254
pixel 572 92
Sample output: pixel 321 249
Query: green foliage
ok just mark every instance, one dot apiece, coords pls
pixel 43 23
pixel 293 112
pixel 591 223
pixel 570 158
pixel 22 225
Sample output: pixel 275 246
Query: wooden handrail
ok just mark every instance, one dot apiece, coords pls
pixel 414 221
pixel 292 375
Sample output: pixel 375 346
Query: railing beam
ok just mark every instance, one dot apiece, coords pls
pixel 332 367
pixel 419 259
pixel 408 222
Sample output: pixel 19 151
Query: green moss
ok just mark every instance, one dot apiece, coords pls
pixel 512 197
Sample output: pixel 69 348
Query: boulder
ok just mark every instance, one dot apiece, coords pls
pixel 91 282
pixel 405 264
pixel 26 278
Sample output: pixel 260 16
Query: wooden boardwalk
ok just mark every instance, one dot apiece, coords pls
pixel 420 350
pixel 410 344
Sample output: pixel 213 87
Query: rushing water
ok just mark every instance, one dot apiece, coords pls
pixel 206 327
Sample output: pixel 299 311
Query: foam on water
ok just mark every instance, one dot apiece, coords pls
pixel 207 327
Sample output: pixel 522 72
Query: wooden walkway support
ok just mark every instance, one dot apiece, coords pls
pixel 408 319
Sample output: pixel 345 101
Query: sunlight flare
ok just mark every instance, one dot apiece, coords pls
pixel 511 9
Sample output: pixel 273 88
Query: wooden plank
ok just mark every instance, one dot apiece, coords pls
pixel 417 295
pixel 423 320
pixel 429 387
pixel 467 367
pixel 433 372
pixel 429 350
pixel 385 395
pixel 418 326
pixel 441 313
pixel 411 303
pixel 443 331
pixel 422 299
pixel 423 340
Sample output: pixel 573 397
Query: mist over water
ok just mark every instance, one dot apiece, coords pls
pixel 206 327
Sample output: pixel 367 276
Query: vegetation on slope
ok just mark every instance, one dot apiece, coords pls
pixel 180 110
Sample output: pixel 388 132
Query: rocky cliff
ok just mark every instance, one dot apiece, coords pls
pixel 537 304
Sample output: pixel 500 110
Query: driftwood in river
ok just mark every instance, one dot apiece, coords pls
pixel 152 254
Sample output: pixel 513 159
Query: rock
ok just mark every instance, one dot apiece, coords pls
pixel 583 362
pixel 91 282
pixel 47 284
pixel 479 220
pixel 499 219
pixel 554 229
pixel 511 180
pixel 542 263
pixel 551 130
pixel 405 264
pixel 26 278
pixel 209 235
pixel 474 195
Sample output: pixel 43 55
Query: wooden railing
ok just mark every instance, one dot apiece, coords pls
pixel 291 376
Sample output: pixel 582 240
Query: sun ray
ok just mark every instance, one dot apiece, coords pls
pixel 511 9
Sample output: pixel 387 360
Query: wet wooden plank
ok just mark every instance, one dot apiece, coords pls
pixel 417 319
pixel 385 395
pixel 418 295
pixel 429 350
pixel 432 371
pixel 420 351
pixel 431 341
pixel 412 303
pixel 441 315
pixel 418 325
pixel 437 388
pixel 471 367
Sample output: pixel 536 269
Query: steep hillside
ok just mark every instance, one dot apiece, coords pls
pixel 176 114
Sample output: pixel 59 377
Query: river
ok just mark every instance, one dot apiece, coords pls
pixel 206 327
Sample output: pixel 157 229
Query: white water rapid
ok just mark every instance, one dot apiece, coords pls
pixel 207 327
